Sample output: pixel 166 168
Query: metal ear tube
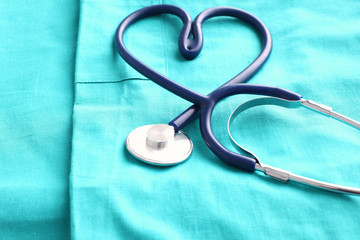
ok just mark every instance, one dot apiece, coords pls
pixel 278 173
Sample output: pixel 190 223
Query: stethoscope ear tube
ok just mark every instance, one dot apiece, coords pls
pixel 286 176
pixel 278 173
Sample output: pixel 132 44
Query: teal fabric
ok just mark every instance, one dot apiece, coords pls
pixel 37 50
pixel 64 169
pixel 114 196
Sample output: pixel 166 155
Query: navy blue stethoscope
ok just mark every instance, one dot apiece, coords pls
pixel 166 144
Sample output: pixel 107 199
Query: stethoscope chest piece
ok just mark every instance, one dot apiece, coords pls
pixel 159 145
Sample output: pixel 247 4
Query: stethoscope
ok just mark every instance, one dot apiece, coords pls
pixel 166 144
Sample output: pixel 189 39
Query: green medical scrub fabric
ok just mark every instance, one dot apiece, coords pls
pixel 315 53
pixel 111 195
pixel 37 57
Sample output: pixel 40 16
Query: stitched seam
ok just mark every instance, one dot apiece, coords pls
pixel 122 80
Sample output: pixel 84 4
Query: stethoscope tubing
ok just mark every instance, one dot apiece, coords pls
pixel 190 45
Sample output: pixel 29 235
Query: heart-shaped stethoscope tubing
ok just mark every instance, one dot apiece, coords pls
pixel 150 143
